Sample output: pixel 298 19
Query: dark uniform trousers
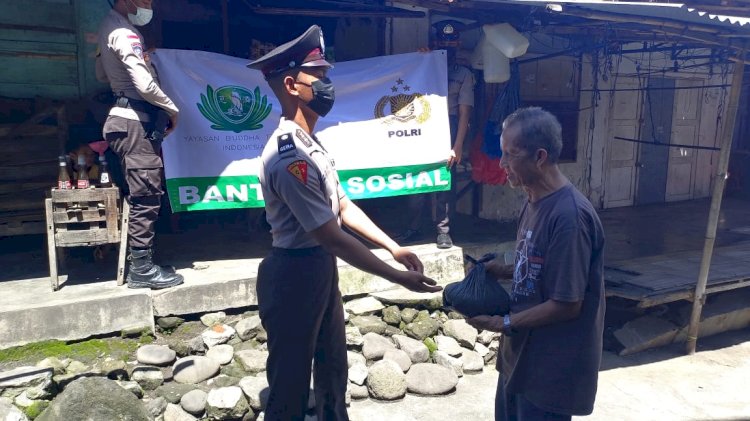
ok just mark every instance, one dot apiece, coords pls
pixel 142 167
pixel 301 309
pixel 444 200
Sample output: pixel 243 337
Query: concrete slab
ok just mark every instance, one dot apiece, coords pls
pixel 644 333
pixel 31 312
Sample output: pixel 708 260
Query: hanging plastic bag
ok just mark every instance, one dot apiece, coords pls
pixel 478 293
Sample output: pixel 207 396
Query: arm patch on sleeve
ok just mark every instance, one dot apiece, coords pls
pixel 299 170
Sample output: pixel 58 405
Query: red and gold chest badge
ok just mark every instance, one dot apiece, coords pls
pixel 299 170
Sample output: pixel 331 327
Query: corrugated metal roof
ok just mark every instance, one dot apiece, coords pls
pixel 672 11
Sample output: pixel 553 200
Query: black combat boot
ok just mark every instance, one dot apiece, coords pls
pixel 143 273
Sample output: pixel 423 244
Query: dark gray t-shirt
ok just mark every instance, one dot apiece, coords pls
pixel 558 256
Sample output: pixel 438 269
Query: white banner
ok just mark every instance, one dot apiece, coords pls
pixel 388 131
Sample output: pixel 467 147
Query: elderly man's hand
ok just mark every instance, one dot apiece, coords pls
pixel 491 323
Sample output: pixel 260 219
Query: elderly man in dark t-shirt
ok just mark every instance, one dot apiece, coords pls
pixel 552 340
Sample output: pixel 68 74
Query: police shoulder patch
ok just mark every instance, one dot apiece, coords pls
pixel 299 170
pixel 285 143
pixel 304 137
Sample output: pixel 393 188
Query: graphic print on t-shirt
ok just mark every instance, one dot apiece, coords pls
pixel 528 271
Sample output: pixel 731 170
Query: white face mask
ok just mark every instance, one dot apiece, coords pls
pixel 141 17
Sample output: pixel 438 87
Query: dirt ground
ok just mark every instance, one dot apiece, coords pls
pixel 661 384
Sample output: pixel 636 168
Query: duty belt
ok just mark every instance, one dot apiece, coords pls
pixel 136 105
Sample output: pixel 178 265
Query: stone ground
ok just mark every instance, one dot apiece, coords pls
pixel 662 384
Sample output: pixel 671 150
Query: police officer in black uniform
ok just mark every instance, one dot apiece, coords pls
pixel 298 294
pixel 134 130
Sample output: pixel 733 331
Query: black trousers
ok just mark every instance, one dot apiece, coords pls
pixel 141 166
pixel 301 309
pixel 515 407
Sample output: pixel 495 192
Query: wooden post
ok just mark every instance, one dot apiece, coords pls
pixel 51 249
pixel 699 297
pixel 123 242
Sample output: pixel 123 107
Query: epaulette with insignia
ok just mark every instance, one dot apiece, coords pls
pixel 286 144
pixel 304 137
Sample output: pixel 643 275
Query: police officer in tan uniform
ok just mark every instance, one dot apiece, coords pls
pixel 460 105
pixel 134 129
pixel 298 294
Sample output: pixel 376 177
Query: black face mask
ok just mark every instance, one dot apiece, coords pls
pixel 323 96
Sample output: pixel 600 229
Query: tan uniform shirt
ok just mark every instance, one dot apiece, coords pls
pixel 120 62
pixel 460 88
pixel 300 186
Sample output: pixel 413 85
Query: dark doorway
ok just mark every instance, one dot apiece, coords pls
pixel 653 160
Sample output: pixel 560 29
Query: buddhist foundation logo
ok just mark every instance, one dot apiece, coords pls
pixel 403 107
pixel 234 108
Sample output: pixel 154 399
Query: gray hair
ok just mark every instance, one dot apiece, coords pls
pixel 539 129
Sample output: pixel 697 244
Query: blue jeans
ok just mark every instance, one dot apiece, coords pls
pixel 515 407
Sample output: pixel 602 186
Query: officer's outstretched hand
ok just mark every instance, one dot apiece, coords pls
pixel 416 281
pixel 408 259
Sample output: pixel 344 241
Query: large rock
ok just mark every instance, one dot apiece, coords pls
pixel 95 398
pixel 23 377
pixel 226 403
pixel 156 407
pixel 386 381
pixel 455 364
pixel 358 374
pixel 252 360
pixel 222 354
pixel 481 349
pixel 486 336
pixel 58 366
pixel 431 379
pixel 256 389
pixel 374 346
pixel 416 350
pixel 211 319
pixel 192 370
pixel 217 335
pixel 448 345
pixel 354 358
pixel 353 336
pixel 357 391
pixel 392 315
pixel 173 392
pixel 363 306
pixel 408 315
pixel 405 298
pixel 158 355
pixel 400 357
pixel 248 328
pixel 130 386
pixel 473 362
pixel 169 323
pixel 464 333
pixel 422 328
pixel 8 412
pixel 175 413
pixel 367 324
pixel 194 402
pixel 148 377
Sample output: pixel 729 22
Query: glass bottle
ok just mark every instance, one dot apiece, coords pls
pixel 63 177
pixel 104 179
pixel 83 176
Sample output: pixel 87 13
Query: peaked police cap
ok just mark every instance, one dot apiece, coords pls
pixel 307 50
pixel 448 30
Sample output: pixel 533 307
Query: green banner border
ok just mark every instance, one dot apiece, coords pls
pixel 238 192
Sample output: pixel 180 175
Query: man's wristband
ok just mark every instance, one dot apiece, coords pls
pixel 507 327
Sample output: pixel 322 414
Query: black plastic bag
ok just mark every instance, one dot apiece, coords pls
pixel 477 294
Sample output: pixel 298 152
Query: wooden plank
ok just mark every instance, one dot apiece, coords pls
pixel 53 48
pixel 85 195
pixel 53 15
pixel 94 215
pixel 30 69
pixel 123 242
pixel 51 246
pixel 46 89
pixel 113 233
pixel 31 35
pixel 81 237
